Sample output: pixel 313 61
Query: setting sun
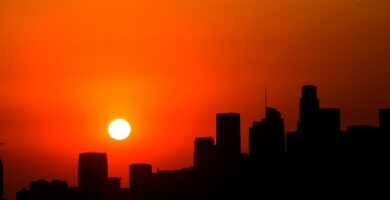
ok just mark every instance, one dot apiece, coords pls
pixel 119 129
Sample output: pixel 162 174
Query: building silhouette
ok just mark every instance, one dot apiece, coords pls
pixel 228 139
pixel 308 110
pixel 384 119
pixel 140 178
pixel 228 128
pixel 113 188
pixel 267 151
pixel 205 155
pixel 41 189
pixel 92 175
pixel 316 161
pixel 267 138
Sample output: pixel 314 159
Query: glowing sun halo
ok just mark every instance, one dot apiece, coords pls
pixel 119 129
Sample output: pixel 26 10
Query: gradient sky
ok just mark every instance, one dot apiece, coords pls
pixel 69 67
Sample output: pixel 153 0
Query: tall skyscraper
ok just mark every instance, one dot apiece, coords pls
pixel 228 139
pixel 267 138
pixel 92 174
pixel 205 154
pixel 309 107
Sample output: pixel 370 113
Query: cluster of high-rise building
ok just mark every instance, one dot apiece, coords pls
pixel 317 161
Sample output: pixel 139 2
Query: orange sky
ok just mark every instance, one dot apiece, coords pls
pixel 68 67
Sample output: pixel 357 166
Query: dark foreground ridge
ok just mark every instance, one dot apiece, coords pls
pixel 317 161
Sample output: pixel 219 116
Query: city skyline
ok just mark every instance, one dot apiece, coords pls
pixel 68 68
pixel 228 132
pixel 221 169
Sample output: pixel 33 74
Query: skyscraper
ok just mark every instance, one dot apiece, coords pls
pixel 309 107
pixel 267 138
pixel 228 139
pixel 92 174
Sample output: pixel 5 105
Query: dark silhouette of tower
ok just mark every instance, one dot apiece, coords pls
pixel 267 150
pixel 205 155
pixel 92 174
pixel 309 107
pixel 228 153
pixel 1 181
pixel 228 139
pixel 267 138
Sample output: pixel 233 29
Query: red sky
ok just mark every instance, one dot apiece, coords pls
pixel 68 68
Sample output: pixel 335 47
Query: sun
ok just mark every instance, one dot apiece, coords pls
pixel 119 129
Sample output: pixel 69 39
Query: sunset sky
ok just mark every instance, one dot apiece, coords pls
pixel 67 68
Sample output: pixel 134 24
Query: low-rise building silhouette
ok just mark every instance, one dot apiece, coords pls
pixel 140 178
pixel 205 155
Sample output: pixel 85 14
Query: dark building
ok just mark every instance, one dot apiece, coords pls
pixel 140 177
pixel 113 188
pixel 228 139
pixel 113 183
pixel 205 154
pixel 326 140
pixel 365 160
pixel 329 120
pixel 228 154
pixel 175 184
pixel 314 147
pixel 44 190
pixel 384 128
pixel 362 136
pixel 23 194
pixel 92 174
pixel 309 107
pixel 267 138
pixel 267 151
pixel 384 119
pixel 1 180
